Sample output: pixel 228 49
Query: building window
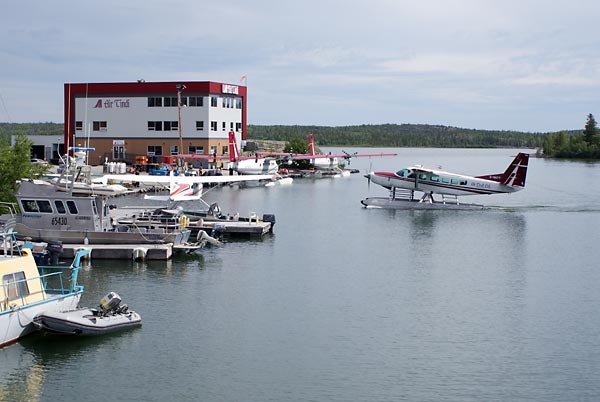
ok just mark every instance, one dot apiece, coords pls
pixel 155 125
pixel 238 103
pixel 99 126
pixel 231 126
pixel 224 126
pixel 171 101
pixel 196 101
pixel 200 125
pixel 196 149
pixel 171 125
pixel 154 150
pixel 213 101
pixel 174 150
pixel 155 101
pixel 78 125
pixel 213 126
pixel 238 126
pixel 224 149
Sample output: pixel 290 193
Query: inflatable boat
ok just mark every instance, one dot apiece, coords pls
pixel 110 316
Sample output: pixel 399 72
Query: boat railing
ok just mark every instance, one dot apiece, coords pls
pixel 20 292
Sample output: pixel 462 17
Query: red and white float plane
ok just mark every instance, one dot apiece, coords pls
pixel 405 182
pixel 181 188
pixel 327 162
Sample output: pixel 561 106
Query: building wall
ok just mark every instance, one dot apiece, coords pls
pixel 119 117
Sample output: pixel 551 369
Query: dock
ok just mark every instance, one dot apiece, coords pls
pixel 231 228
pixel 136 252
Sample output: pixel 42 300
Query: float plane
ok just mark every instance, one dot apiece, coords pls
pixel 326 162
pixel 181 188
pixel 403 184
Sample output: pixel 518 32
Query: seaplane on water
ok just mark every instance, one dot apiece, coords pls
pixel 247 165
pixel 326 162
pixel 450 186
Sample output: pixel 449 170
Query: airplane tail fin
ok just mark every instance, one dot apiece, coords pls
pixel 311 145
pixel 515 174
pixel 184 191
pixel 234 154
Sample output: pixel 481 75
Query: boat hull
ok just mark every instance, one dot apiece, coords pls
pixel 15 324
pixel 97 237
pixel 85 322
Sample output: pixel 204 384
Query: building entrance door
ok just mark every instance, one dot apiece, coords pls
pixel 118 153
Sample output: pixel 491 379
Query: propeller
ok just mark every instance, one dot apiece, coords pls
pixel 368 176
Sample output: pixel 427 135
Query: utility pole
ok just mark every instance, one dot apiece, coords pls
pixel 180 87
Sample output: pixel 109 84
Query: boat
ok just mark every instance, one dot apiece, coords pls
pixel 45 214
pixel 27 289
pixel 110 316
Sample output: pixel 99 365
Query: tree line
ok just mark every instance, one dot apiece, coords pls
pixel 399 135
pixel 574 145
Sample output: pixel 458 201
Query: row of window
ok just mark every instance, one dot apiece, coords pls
pixel 166 126
pixel 159 125
pixel 227 102
pixel 432 177
pixel 44 206
pixel 156 150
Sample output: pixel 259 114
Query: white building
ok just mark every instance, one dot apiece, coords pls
pixel 125 120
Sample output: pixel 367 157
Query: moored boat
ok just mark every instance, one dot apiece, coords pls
pixel 28 289
pixel 110 316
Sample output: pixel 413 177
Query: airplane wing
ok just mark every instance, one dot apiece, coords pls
pixel 158 180
pixel 331 156
pixel 203 156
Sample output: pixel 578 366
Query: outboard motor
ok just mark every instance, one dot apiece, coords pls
pixel 110 303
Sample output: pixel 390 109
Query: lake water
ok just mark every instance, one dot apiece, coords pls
pixel 344 303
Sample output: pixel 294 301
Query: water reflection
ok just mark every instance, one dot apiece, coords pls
pixel 21 374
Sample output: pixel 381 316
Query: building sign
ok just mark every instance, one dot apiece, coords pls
pixel 230 89
pixel 111 103
pixel 117 143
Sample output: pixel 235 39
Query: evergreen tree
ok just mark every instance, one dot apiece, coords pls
pixel 590 131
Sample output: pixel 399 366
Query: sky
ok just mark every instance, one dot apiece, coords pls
pixel 524 65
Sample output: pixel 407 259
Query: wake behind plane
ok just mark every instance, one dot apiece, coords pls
pixel 404 183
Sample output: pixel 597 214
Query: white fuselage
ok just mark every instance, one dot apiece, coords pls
pixel 256 166
pixel 325 163
pixel 439 182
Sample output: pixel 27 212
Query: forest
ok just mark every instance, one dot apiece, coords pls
pixel 377 135
pixel 400 135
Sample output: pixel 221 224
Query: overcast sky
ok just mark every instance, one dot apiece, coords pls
pixel 524 65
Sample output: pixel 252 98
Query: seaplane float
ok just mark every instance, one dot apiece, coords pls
pixel 110 316
pixel 429 181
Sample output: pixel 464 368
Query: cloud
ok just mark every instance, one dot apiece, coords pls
pixel 320 62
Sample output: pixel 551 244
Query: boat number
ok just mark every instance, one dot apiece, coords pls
pixel 59 221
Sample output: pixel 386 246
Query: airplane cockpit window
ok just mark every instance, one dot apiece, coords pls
pixel 405 173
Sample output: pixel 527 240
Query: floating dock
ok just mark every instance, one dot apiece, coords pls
pixel 391 203
pixel 216 228
pixel 136 252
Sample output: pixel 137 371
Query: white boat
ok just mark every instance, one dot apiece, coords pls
pixel 110 316
pixel 27 289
